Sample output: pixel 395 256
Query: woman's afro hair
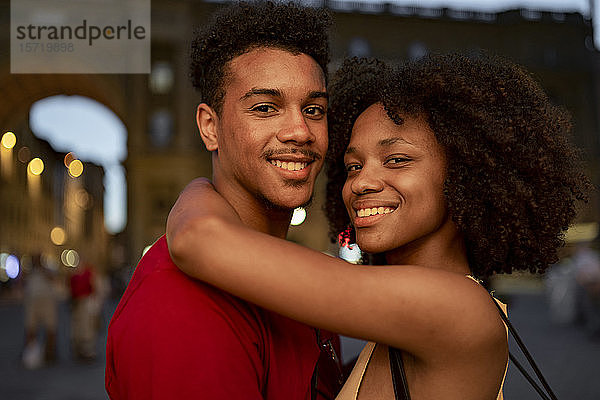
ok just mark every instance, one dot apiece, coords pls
pixel 513 178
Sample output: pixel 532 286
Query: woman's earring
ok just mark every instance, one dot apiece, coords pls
pixel 349 250
pixel 346 236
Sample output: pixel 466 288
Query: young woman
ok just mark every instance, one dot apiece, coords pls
pixel 450 169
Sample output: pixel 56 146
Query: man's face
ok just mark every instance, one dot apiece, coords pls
pixel 272 131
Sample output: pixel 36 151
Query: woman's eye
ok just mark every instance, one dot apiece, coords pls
pixel 396 160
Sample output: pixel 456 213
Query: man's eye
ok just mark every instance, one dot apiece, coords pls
pixel 314 111
pixel 263 108
pixel 352 167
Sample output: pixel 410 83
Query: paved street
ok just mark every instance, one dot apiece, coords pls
pixel 569 359
pixel 66 380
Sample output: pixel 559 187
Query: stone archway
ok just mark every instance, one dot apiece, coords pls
pixel 20 91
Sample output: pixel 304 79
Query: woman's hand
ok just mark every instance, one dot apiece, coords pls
pixel 199 198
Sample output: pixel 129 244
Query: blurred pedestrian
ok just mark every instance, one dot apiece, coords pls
pixel 101 292
pixel 562 290
pixel 83 316
pixel 40 304
pixel 587 274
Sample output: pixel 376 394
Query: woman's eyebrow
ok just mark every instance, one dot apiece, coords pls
pixel 382 143
pixel 393 140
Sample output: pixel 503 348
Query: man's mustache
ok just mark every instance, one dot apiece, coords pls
pixel 292 150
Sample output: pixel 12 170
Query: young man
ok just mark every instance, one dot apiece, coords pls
pixel 261 70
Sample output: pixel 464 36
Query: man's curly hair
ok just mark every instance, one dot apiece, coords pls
pixel 243 26
pixel 513 178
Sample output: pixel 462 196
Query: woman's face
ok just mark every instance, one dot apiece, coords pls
pixel 394 189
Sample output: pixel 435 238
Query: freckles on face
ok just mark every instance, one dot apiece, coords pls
pixel 394 187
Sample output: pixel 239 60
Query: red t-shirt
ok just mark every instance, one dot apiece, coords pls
pixel 172 337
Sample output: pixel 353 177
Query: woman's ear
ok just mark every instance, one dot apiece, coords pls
pixel 207 121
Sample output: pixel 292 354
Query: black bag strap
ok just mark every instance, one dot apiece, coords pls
pixel 398 375
pixel 549 395
pixel 401 385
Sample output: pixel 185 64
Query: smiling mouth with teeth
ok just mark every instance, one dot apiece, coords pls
pixel 289 165
pixel 366 212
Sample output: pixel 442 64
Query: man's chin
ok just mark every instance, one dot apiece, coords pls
pixel 287 204
pixel 296 183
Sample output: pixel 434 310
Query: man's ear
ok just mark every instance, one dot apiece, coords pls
pixel 207 121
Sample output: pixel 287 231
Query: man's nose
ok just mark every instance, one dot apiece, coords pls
pixel 295 130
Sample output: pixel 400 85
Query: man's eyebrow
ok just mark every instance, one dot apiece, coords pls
pixel 350 150
pixel 317 95
pixel 392 140
pixel 262 91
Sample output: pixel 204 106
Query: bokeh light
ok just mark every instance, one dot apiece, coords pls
pixel 146 249
pixel 69 157
pixel 298 216
pixel 9 140
pixel 6 261
pixel 70 258
pixel 36 166
pixel 83 199
pixel 75 168
pixel 12 266
pixel 58 236
pixel 24 154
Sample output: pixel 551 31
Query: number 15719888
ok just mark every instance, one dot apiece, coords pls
pixel 56 47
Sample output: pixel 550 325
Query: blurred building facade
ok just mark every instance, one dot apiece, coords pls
pixel 165 151
pixel 46 207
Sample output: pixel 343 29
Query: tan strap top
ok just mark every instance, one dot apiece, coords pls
pixel 353 383
pixel 352 386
